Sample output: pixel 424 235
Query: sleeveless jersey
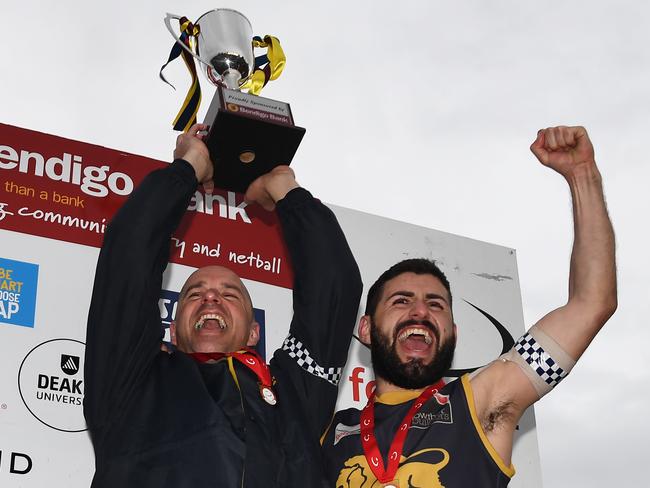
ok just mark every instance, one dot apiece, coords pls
pixel 445 445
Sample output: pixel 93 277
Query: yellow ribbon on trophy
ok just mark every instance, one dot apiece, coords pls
pixel 274 59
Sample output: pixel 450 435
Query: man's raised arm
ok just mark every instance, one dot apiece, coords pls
pixel 124 329
pixel 592 274
pixel 543 356
pixel 326 291
pixel 546 354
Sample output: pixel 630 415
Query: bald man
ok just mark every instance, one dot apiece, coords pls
pixel 213 413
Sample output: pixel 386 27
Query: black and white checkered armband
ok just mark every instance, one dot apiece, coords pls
pixel 542 359
pixel 300 353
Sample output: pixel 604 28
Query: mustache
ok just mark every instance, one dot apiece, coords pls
pixel 210 307
pixel 422 323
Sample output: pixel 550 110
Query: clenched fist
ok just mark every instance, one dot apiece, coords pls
pixel 564 149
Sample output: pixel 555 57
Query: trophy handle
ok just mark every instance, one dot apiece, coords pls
pixel 168 23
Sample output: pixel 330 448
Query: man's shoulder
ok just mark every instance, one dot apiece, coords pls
pixel 345 423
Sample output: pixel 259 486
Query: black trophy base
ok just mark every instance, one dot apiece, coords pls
pixel 243 148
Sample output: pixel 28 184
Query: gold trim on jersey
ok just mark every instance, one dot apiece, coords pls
pixel 509 471
pixel 397 397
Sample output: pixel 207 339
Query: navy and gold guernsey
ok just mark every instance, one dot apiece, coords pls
pixel 445 445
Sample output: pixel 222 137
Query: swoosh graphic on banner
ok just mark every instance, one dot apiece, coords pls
pixel 506 339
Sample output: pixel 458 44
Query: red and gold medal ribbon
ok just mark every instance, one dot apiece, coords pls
pixel 369 441
pixel 187 114
pixel 253 361
pixel 248 357
pixel 271 66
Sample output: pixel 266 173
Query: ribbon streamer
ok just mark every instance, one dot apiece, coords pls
pixel 267 67
pixel 187 114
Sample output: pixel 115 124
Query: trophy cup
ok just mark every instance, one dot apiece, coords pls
pixel 249 135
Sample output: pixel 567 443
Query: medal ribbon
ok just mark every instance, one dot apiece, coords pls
pixel 369 441
pixel 267 67
pixel 187 114
pixel 248 357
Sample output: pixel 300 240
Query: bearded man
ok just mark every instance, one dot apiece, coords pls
pixel 416 431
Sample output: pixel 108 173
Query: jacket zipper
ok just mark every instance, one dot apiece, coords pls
pixel 231 368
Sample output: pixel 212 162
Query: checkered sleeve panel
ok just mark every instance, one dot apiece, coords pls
pixel 539 360
pixel 300 353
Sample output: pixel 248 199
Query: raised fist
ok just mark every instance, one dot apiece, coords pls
pixel 564 149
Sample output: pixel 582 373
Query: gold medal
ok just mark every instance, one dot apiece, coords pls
pixel 268 395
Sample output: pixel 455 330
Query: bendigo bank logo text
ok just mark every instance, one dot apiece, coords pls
pixel 96 181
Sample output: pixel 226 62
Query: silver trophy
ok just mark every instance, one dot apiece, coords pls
pixel 223 46
pixel 249 135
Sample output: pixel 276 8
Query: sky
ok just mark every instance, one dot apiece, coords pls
pixel 421 111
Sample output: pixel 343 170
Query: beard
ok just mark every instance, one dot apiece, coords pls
pixel 414 373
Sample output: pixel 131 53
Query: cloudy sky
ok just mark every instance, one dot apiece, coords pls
pixel 421 111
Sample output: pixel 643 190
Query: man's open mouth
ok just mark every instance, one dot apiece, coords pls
pixel 415 334
pixel 417 337
pixel 209 319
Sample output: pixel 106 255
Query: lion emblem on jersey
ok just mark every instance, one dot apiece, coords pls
pixel 420 470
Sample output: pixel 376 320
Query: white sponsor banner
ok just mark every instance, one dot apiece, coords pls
pixel 47 285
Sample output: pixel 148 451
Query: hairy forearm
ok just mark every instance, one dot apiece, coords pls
pixel 592 277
